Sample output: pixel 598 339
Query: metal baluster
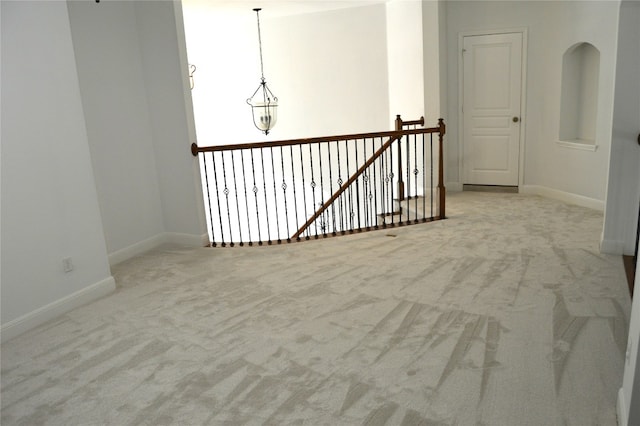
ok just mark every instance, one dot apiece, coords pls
pixel 313 187
pixel 374 185
pixel 383 192
pixel 295 198
pixel 341 199
pixel 206 178
pixel 357 182
pixel 323 226
pixel 333 209
pixel 215 176
pixel 348 225
pixel 415 174
pixel 349 195
pixel 226 194
pixel 266 204
pixel 304 192
pixel 407 152
pixel 235 186
pixel 275 196
pixel 371 189
pixel 255 196
pixel 424 179
pixel 246 200
pixel 284 194
pixel 431 183
pixel 345 194
pixel 390 190
pixel 365 187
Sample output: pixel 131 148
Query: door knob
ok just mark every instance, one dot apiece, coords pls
pixel 515 119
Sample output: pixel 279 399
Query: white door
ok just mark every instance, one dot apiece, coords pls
pixel 492 90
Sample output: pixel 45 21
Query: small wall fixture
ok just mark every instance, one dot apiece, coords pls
pixel 264 104
pixel 192 69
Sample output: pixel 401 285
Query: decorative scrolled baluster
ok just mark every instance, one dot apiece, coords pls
pixel 313 185
pixel 206 177
pixel 304 193
pixel 246 198
pixel 266 202
pixel 284 195
pixel 295 198
pixel 225 191
pixel 332 215
pixel 235 186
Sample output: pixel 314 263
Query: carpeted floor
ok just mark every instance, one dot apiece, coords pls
pixel 504 314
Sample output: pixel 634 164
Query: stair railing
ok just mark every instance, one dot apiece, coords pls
pixel 296 190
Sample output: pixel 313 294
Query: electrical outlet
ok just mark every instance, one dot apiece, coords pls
pixel 67 264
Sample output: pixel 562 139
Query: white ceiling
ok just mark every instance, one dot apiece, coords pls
pixel 272 8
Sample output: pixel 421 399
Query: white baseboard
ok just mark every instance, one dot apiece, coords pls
pixel 54 309
pixel 612 247
pixel 143 246
pixel 135 249
pixel 567 197
pixel 622 409
pixel 189 240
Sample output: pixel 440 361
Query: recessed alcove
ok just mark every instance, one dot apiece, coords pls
pixel 579 95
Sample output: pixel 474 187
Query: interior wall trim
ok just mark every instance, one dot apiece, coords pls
pixel 567 197
pixel 621 408
pixel 54 309
pixel 189 240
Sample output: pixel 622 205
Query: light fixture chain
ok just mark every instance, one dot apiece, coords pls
pixel 260 44
pixel 264 110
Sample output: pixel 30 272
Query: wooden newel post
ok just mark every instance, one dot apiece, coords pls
pixel 400 181
pixel 441 188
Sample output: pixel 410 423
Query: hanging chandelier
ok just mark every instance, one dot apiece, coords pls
pixel 264 104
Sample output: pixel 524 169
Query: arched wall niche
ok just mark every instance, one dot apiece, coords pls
pixel 579 95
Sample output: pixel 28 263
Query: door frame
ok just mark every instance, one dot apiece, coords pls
pixel 523 96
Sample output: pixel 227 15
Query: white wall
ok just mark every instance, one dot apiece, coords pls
pixel 331 71
pixel 328 69
pixel 433 37
pixel 137 108
pixel 223 47
pixel 110 68
pixel 413 46
pixel 405 52
pixel 552 27
pixel 49 202
pixel 624 188
pixel 623 192
pixel 161 34
pixel 96 139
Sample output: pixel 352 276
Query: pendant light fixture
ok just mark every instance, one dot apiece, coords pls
pixel 264 105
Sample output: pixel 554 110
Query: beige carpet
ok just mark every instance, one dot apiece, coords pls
pixel 503 314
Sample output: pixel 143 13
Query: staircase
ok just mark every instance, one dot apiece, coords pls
pixel 295 190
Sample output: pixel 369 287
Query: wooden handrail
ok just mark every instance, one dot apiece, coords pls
pixel 195 149
pixel 419 122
